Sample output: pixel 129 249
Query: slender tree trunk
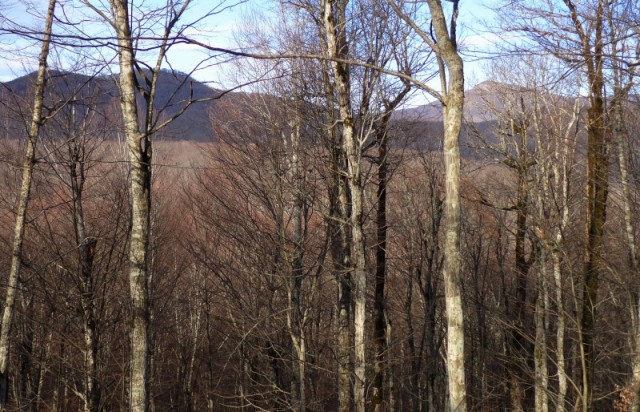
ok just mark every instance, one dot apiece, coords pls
pixel 411 344
pixel 561 184
pixel 380 316
pixel 380 333
pixel 453 105
pixel 295 315
pixel 520 348
pixel 597 190
pixel 140 153
pixel 335 26
pixel 453 293
pixel 622 138
pixel 21 212
pixel 554 168
pixel 540 350
pixel 389 374
pixel 87 251
pixel 560 328
pixel 343 263
pixel 339 238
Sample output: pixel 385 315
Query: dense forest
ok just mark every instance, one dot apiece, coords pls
pixel 311 234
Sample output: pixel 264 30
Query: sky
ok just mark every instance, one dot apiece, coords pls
pixel 21 55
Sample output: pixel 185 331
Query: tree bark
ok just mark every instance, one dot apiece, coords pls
pixel 296 317
pixel 453 105
pixel 620 134
pixel 86 251
pixel 335 21
pixel 23 201
pixel 380 321
pixel 338 194
pixel 379 326
pixel 540 350
pixel 596 186
pixel 140 154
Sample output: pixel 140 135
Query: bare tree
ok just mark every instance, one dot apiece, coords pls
pixel 37 120
pixel 139 129
pixel 575 33
pixel 451 73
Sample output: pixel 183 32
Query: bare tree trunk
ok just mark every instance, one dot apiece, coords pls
pixel 335 24
pixel 452 98
pixel 380 321
pixel 23 200
pixel 455 316
pixel 389 374
pixel 561 183
pixel 296 317
pixel 561 178
pixel 453 105
pixel 597 190
pixel 86 253
pixel 520 346
pixel 622 138
pixel 540 350
pixel 559 169
pixel 139 147
pixel 339 238
pixel 342 263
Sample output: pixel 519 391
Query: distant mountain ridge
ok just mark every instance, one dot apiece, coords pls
pixel 195 124
pixel 173 91
pixel 482 103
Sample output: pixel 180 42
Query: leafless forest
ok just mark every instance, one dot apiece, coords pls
pixel 305 236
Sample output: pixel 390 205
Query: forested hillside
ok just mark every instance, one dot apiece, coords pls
pixel 315 234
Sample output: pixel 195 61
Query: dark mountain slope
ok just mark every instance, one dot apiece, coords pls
pixel 101 92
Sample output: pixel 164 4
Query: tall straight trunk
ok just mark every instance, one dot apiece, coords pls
pixel 140 153
pixel 415 360
pixel 295 315
pixel 379 326
pixel 342 264
pixel 541 368
pixel 621 137
pixel 389 375
pixel 380 321
pixel 540 349
pixel 453 105
pixel 23 200
pixel 630 231
pixel 561 184
pixel 335 25
pixel 338 194
pixel 453 293
pixel 86 251
pixel 519 345
pixel 596 191
pixel 556 170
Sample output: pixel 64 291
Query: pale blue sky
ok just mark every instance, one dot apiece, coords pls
pixel 219 30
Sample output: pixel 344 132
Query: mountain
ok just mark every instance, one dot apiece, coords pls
pixel 101 92
pixel 422 124
pixel 482 103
